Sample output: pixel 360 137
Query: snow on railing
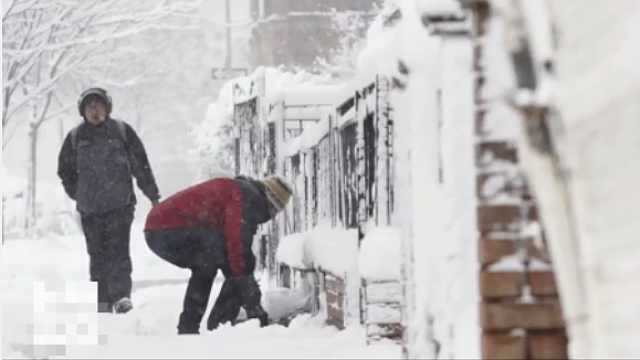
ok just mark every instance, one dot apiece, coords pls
pixel 324 248
pixel 291 251
pixel 334 249
pixel 380 254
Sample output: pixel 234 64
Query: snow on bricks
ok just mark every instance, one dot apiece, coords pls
pixel 332 254
pixel 520 314
pixel 382 293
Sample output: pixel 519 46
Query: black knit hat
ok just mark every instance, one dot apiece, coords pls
pixel 94 92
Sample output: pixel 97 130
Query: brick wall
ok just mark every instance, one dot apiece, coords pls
pixel 334 288
pixel 520 314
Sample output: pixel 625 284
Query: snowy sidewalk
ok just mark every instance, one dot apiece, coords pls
pixel 149 330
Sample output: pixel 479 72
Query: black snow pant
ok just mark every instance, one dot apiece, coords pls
pixel 108 236
pixel 229 301
pixel 227 306
pixel 198 249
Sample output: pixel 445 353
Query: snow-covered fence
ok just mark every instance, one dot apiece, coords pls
pixel 382 293
pixel 337 155
pixel 340 165
pixel 322 262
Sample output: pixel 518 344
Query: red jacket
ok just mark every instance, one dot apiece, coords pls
pixel 234 207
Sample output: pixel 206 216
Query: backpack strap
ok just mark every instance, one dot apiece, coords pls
pixel 74 138
pixel 122 130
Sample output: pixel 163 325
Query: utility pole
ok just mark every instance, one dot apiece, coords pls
pixel 227 71
pixel 227 59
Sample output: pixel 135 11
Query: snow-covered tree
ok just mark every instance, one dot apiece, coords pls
pixel 215 138
pixel 49 47
pixel 350 27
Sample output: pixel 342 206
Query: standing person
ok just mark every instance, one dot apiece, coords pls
pixel 96 164
pixel 210 226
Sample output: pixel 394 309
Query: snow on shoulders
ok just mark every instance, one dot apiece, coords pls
pixel 380 254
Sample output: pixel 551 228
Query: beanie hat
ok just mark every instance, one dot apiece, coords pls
pixel 93 92
pixel 278 192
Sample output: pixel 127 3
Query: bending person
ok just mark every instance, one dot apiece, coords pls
pixel 210 227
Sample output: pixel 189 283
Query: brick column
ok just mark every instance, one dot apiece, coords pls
pixel 520 315
pixel 334 288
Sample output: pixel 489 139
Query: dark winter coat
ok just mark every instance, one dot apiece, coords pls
pixel 97 168
pixel 233 207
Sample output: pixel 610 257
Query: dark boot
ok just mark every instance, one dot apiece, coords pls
pixel 258 313
pixel 188 324
pixel 123 306
pixel 226 308
pixel 104 302
pixel 250 295
pixel 195 302
pixel 117 268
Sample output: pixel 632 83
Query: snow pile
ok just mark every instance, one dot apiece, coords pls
pixel 54 211
pixel 14 191
pixel 281 303
pixel 334 249
pixel 325 247
pixel 380 254
pixel 291 251
pixel 11 185
pixel 299 88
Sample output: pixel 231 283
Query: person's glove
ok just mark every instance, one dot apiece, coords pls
pixel 249 291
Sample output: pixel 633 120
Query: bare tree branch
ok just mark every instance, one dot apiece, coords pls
pixel 77 29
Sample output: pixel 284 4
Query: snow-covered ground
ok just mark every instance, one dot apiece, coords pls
pixel 58 266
